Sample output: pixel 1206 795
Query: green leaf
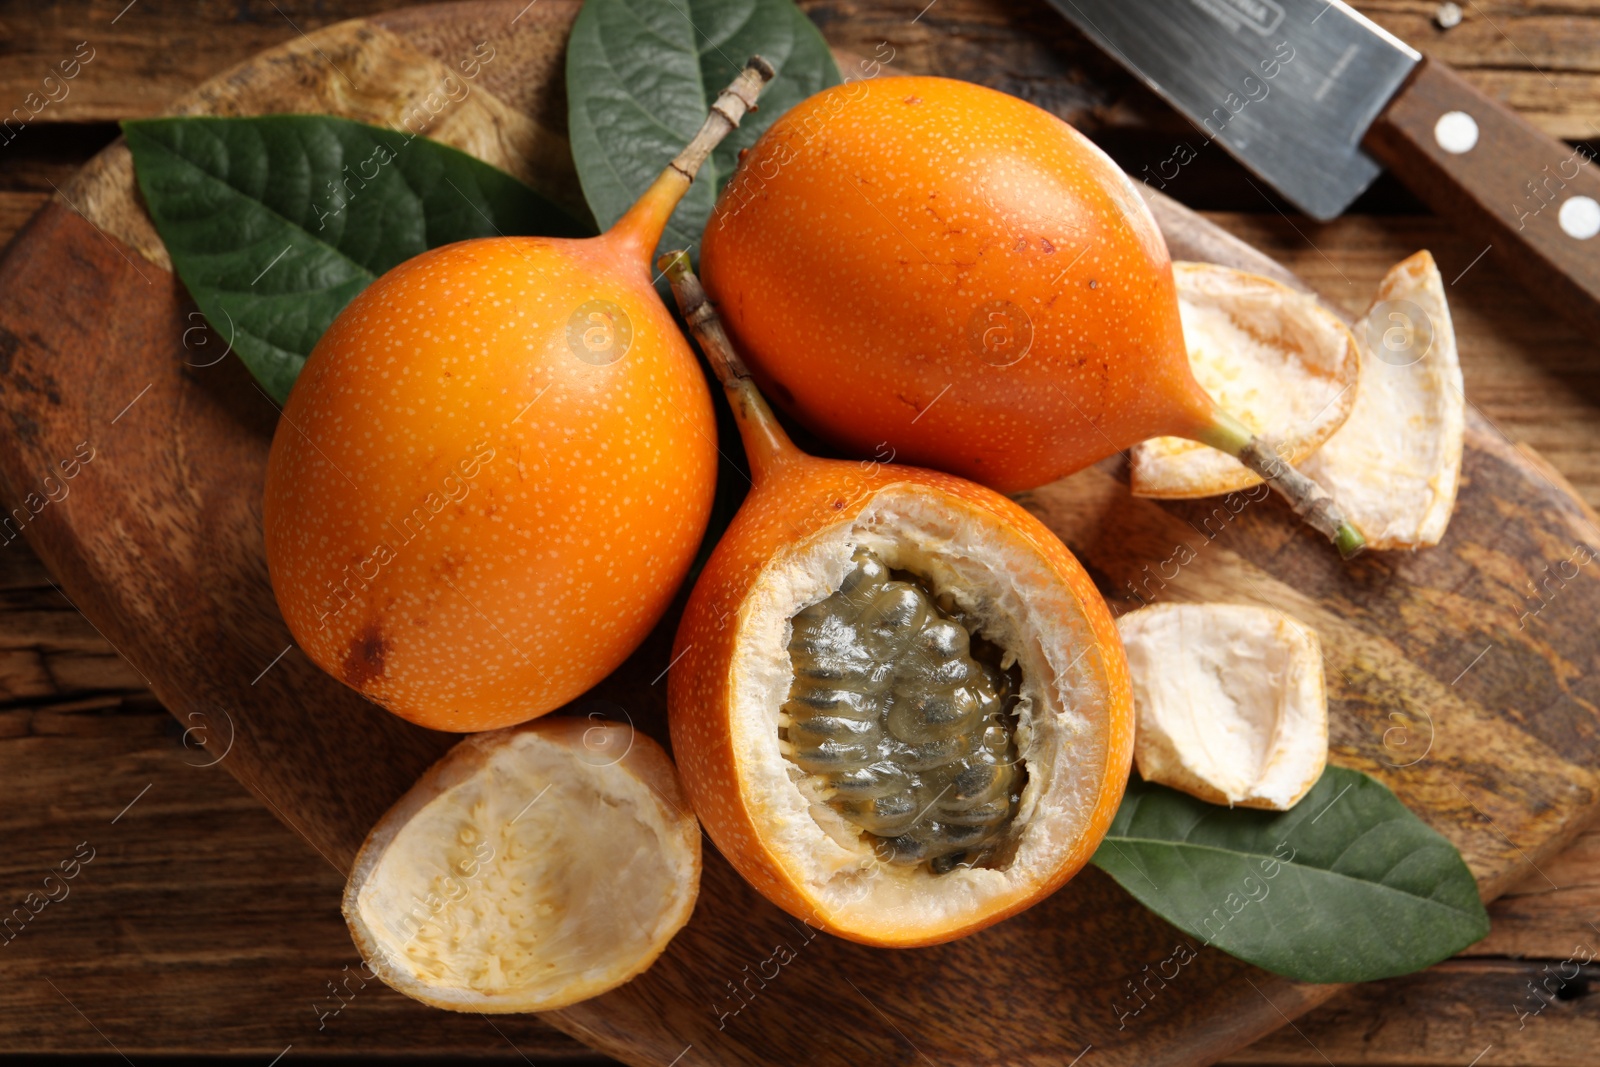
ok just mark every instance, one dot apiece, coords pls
pixel 275 222
pixel 641 76
pixel 1348 886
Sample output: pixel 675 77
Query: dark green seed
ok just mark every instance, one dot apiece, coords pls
pixel 976 784
pixel 933 716
pixel 932 755
pixel 823 728
pixel 906 717
pixel 878 780
pixel 978 815
pixel 885 816
pixel 841 702
pixel 945 640
pixel 830 756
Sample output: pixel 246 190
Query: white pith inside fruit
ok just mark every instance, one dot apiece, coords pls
pixel 1272 357
pixel 1229 700
pixel 1061 719
pixel 529 869
pixel 1395 465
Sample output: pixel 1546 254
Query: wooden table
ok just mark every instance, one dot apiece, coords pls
pixel 202 925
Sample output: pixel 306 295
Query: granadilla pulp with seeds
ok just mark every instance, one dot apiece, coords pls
pixel 898 704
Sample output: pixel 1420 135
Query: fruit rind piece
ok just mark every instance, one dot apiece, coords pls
pixel 1272 357
pixel 1230 702
pixel 1395 464
pixel 1075 717
pixel 559 855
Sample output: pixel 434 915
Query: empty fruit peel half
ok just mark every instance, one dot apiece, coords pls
pixel 1395 464
pixel 528 869
pixel 1229 702
pixel 1272 357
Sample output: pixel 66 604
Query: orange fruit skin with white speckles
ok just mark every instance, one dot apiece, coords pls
pixel 474 511
pixel 785 508
pixel 953 271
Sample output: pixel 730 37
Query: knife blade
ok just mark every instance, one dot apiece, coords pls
pixel 1288 87
pixel 1316 99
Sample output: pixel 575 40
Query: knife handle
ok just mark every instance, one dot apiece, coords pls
pixel 1535 199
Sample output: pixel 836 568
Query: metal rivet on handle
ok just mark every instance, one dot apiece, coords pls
pixel 1580 217
pixel 1456 132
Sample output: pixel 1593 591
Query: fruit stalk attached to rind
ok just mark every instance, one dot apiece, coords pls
pixel 962 275
pixel 643 224
pixel 1270 355
pixel 1309 500
pixel 862 633
pixel 497 466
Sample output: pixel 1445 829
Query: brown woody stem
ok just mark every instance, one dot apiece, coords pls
pixel 726 112
pixel 765 442
pixel 1309 500
pixel 642 225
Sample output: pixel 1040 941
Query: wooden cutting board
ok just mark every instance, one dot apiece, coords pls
pixel 1464 676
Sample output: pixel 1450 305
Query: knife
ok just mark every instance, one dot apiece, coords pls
pixel 1316 99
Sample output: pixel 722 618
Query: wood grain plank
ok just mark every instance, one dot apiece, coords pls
pixel 1187 1012
pixel 199 924
pixel 1552 910
pixel 16 209
pixel 1543 62
pixel 146 56
pixel 1448 1015
pixel 1539 921
pixel 51 154
pixel 202 924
